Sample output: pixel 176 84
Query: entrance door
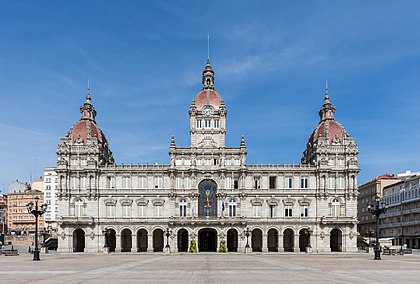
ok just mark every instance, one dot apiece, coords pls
pixel 256 240
pixel 273 240
pixel 182 240
pixel 288 240
pixel 110 241
pixel 142 240
pixel 78 240
pixel 126 240
pixel 157 240
pixel 207 240
pixel 335 240
pixel 303 239
pixel 232 240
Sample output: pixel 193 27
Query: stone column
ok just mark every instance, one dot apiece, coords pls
pixel 280 246
pixel 118 242
pixel 134 243
pixel 149 242
pixel 296 244
pixel 264 243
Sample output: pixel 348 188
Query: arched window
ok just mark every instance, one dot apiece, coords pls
pixel 183 208
pixel 232 207
pixel 335 206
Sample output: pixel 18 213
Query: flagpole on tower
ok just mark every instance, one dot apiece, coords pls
pixel 208 47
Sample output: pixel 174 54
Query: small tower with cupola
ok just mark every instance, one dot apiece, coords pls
pixel 208 114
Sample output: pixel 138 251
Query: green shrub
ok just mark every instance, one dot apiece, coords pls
pixel 222 247
pixel 193 247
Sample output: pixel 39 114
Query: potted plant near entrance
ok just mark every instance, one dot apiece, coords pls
pixel 193 247
pixel 222 246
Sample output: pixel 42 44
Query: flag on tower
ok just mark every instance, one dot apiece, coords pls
pixel 207 202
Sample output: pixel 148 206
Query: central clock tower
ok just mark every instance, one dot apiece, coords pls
pixel 208 115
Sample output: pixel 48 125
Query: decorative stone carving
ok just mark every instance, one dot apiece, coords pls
pixel 158 201
pixel 304 201
pixel 273 201
pixel 256 201
pixel 110 201
pixel 322 235
pixel 142 201
pixel 288 201
pixel 126 201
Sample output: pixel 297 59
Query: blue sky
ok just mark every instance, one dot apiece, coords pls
pixel 144 61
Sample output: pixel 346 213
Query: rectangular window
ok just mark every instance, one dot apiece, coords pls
pixel 256 210
pixel 178 162
pixel 182 210
pixel 178 182
pixel 142 211
pixel 158 211
pixel 272 182
pixel 341 182
pixel 227 162
pixel 126 211
pixel 340 162
pixel 83 162
pixel 304 211
pixel 79 209
pixel 228 182
pixel 331 182
pixel 158 182
pixel 187 182
pixel 83 182
pixel 216 123
pixel 232 210
pixel 187 162
pixel 216 162
pixel 110 182
pixel 237 162
pixel 273 210
pixel 48 179
pixel 198 124
pixel 288 182
pixel 110 211
pixel 142 182
pixel 207 123
pixel 288 210
pixel 73 162
pixel 257 182
pixel 304 182
pixel 73 182
pixel 235 184
pixel 126 182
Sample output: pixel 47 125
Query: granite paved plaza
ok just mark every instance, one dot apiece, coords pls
pixel 209 268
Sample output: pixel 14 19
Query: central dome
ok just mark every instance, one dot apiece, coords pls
pixel 208 97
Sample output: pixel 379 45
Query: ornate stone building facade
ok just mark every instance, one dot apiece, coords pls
pixel 207 194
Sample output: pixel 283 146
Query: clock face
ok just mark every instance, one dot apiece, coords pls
pixel 208 111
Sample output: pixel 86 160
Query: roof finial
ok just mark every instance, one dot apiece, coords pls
pixel 326 90
pixel 208 47
pixel 88 91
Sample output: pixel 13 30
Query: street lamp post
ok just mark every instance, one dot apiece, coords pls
pixel 36 212
pixel 377 209
pixel 247 233
pixel 168 233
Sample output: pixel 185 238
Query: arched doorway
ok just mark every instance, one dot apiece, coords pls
pixel 232 240
pixel 157 240
pixel 182 240
pixel 126 240
pixel 110 239
pixel 336 240
pixel 256 240
pixel 288 240
pixel 273 240
pixel 207 201
pixel 303 239
pixel 142 240
pixel 207 240
pixel 78 240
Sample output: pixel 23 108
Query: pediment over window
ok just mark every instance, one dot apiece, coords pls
pixel 142 201
pixel 288 201
pixel 273 201
pixel 257 201
pixel 126 202
pixel 158 202
pixel 110 201
pixel 304 201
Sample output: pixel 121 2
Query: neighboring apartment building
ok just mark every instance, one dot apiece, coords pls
pixel 207 192
pixel 3 213
pixel 50 187
pixel 38 184
pixel 16 186
pixel 401 221
pixel 19 220
pixel 367 195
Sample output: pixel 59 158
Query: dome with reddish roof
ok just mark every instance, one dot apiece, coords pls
pixel 86 132
pixel 208 96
